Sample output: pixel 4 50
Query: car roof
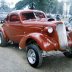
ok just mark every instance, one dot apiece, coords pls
pixel 29 10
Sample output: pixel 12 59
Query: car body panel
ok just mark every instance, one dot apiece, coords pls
pixel 43 41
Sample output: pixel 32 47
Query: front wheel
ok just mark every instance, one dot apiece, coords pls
pixel 34 55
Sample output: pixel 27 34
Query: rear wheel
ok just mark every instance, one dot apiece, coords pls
pixel 3 42
pixel 68 54
pixel 34 55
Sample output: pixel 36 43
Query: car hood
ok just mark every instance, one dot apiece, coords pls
pixel 43 21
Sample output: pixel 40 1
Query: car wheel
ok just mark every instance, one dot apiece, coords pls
pixel 68 54
pixel 3 42
pixel 34 55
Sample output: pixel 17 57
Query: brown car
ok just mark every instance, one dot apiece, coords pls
pixel 32 30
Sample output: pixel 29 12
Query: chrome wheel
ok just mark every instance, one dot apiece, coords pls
pixel 34 55
pixel 31 56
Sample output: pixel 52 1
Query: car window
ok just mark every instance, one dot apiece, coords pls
pixel 14 18
pixel 27 16
pixel 39 15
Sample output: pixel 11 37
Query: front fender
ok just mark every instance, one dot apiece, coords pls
pixel 43 42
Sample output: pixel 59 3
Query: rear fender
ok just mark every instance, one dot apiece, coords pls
pixel 2 30
pixel 43 42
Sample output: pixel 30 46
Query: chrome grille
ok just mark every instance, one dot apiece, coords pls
pixel 62 35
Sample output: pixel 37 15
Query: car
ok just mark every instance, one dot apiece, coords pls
pixel 2 21
pixel 58 17
pixel 32 31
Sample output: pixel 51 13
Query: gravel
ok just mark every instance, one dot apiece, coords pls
pixel 14 60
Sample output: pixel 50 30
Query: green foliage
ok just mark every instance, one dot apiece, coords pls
pixel 44 5
pixel 19 5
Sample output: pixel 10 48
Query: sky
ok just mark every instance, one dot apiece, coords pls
pixel 12 2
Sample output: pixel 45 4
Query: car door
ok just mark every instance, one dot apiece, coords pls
pixel 14 28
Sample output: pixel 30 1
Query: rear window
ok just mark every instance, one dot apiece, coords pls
pixel 14 18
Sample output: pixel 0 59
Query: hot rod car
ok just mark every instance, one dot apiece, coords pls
pixel 32 30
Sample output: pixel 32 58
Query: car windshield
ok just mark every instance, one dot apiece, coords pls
pixel 39 15
pixel 32 15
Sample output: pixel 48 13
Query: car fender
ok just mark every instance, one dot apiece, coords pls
pixel 43 42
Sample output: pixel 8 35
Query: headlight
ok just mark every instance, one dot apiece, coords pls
pixel 50 29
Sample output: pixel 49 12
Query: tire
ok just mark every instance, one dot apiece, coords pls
pixel 3 42
pixel 68 54
pixel 34 55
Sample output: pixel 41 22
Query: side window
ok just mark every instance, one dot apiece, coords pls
pixel 14 18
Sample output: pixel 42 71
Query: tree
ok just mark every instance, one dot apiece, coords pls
pixel 44 5
pixel 22 4
pixel 4 6
pixel 19 5
pixel 59 8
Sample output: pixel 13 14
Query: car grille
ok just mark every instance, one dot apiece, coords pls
pixel 62 35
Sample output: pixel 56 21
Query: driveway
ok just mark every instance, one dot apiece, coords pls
pixel 14 60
